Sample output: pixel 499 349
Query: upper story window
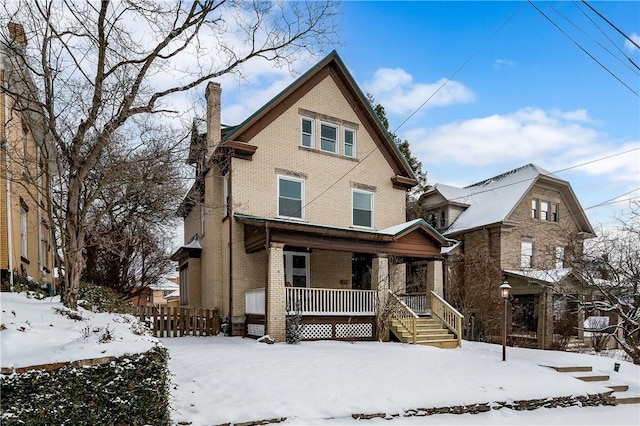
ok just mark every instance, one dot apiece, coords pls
pixel 23 233
pixel 290 197
pixel 328 138
pixel 184 278
pixel 526 254
pixel 362 206
pixel 545 210
pixel 308 126
pixel 349 143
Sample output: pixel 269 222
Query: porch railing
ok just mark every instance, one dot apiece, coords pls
pixel 405 315
pixel 416 302
pixel 328 301
pixel 448 315
pixel 254 301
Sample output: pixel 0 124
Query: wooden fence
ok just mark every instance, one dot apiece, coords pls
pixel 177 322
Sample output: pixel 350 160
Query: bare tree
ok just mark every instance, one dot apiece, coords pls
pixel 102 69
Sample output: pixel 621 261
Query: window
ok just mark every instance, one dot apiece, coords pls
pixel 554 212
pixel 534 209
pixel 44 257
pixel 544 210
pixel 443 219
pixel 329 138
pixel 307 132
pixel 184 277
pixel 349 143
pixel 290 197
pixel 362 203
pixel 559 257
pixel 23 233
pixel 526 254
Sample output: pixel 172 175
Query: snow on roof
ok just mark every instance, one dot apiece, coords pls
pixel 546 275
pixel 173 294
pixel 194 243
pixel 164 284
pixel 491 200
pixel 396 229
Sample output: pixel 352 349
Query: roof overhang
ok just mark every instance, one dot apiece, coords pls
pixel 416 240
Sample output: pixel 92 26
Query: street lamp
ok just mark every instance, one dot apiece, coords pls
pixel 504 292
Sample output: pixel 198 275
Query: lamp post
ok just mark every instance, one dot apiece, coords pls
pixel 504 292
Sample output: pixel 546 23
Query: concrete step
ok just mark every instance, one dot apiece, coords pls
pixel 573 369
pixel 626 399
pixel 593 378
pixel 618 388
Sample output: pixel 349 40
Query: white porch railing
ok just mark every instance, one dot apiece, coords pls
pixel 329 301
pixel 254 301
pixel 416 302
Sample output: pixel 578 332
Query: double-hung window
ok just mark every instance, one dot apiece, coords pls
pixel 307 137
pixel 534 209
pixel 554 212
pixel 544 210
pixel 526 254
pixel 290 197
pixel 362 206
pixel 23 233
pixel 328 138
pixel 349 143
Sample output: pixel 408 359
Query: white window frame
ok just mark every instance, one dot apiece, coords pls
pixel 354 191
pixel 544 210
pixel 302 197
pixel 337 141
pixel 535 208
pixel 24 236
pixel 353 145
pixel 526 254
pixel 555 215
pixel 311 135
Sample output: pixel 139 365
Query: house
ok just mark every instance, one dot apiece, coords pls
pixel 301 208
pixel 157 294
pixel 26 253
pixel 525 226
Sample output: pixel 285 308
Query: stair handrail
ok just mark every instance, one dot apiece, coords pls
pixel 405 315
pixel 448 315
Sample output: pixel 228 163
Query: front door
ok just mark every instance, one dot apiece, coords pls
pixel 296 269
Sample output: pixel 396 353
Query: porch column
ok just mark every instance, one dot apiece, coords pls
pixel 275 297
pixel 380 279
pixel 434 280
pixel 398 277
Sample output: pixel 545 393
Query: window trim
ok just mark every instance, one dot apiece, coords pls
pixel 24 234
pixel 288 271
pixel 372 204
pixel 544 211
pixel 302 197
pixel 311 135
pixel 353 144
pixel 184 278
pixel 337 141
pixel 555 215
pixel 535 208
pixel 524 264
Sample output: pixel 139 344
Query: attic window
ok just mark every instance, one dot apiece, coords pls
pixel 307 132
pixel 329 138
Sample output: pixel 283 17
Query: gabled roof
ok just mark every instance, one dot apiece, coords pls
pixel 492 201
pixel 332 66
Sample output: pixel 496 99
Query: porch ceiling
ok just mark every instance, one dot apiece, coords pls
pixel 414 243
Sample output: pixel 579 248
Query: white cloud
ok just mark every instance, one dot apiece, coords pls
pixel 630 46
pixel 504 63
pixel 400 94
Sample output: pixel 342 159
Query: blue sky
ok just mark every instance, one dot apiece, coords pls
pixel 527 94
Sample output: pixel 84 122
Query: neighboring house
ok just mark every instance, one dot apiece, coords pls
pixel 157 294
pixel 300 208
pixel 25 234
pixel 525 226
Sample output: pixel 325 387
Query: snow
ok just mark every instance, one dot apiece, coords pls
pixel 164 284
pixel 36 333
pixel 230 379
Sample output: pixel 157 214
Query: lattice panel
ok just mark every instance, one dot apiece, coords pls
pixel 316 331
pixel 354 330
pixel 255 329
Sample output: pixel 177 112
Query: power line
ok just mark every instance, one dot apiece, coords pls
pixel 612 25
pixel 614 199
pixel 583 49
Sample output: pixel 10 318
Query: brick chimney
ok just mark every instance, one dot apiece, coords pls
pixel 16 31
pixel 213 94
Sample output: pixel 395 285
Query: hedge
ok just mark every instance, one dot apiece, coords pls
pixel 131 390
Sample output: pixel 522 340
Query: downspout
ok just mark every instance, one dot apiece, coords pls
pixel 230 217
pixel 266 289
pixel 7 166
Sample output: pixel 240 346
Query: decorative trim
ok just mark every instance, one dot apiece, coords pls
pixel 363 187
pixel 292 173
pixel 328 118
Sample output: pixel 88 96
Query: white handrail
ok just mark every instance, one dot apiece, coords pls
pixel 330 301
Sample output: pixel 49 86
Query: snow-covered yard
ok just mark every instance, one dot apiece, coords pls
pixel 230 379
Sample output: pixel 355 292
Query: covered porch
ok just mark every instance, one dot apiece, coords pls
pixel 335 279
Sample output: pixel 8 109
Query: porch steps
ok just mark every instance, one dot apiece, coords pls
pixel 618 391
pixel 430 332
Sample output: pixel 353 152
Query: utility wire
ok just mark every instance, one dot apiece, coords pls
pixel 612 25
pixel 614 199
pixel 583 49
pixel 605 34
